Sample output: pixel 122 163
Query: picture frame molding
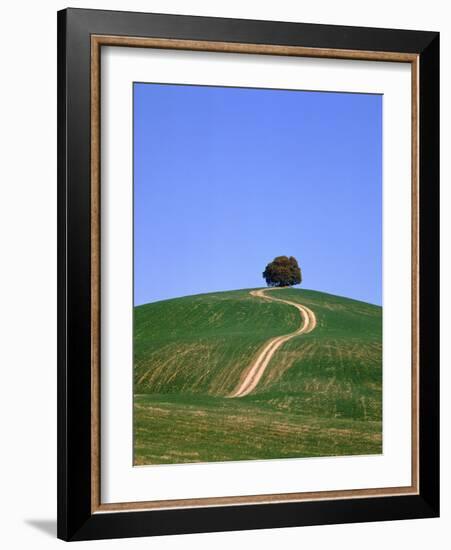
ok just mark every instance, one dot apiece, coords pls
pixel 81 35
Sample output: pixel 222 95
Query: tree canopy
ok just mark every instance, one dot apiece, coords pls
pixel 283 271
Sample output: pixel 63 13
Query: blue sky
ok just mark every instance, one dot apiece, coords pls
pixel 225 179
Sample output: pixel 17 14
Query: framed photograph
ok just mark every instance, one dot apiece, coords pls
pixel 248 274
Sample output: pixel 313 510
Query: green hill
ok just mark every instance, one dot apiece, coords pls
pixel 321 394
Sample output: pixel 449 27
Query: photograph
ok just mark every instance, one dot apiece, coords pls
pixel 257 274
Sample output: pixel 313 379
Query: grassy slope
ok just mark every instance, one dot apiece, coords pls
pixel 320 396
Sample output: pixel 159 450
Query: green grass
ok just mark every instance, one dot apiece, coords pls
pixel 321 394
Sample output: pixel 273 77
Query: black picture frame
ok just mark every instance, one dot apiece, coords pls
pixel 76 521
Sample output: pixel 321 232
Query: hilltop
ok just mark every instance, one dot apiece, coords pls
pixel 319 395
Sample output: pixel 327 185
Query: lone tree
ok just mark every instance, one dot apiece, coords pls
pixel 283 271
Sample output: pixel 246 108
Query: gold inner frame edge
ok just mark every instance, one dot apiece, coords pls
pixel 97 41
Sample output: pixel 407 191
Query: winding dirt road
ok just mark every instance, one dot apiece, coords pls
pixel 258 367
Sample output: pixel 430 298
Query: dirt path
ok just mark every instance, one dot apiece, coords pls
pixel 258 367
